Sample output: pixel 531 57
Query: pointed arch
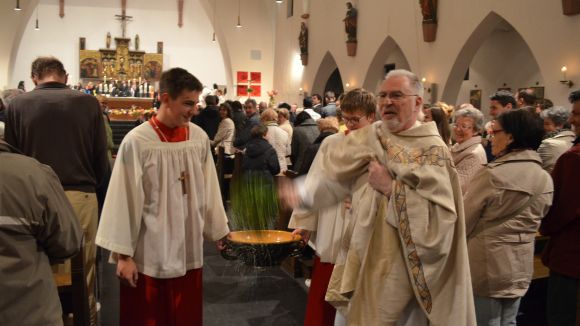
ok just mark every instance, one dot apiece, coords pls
pixel 490 24
pixel 325 69
pixel 388 52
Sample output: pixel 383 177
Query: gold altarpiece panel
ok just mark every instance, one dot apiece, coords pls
pixel 120 63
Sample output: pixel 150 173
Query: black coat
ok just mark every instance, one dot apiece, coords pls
pixel 260 156
pixel 245 135
pixel 311 152
pixel 209 120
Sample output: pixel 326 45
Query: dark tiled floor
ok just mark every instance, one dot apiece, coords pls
pixel 234 294
pixel 238 295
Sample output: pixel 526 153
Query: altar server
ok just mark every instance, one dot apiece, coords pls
pixel 163 200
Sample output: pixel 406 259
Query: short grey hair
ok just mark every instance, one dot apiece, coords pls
pixel 414 81
pixel 558 114
pixel 8 95
pixel 472 113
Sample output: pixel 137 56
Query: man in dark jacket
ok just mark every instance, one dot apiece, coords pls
pixel 305 132
pixel 209 118
pixel 562 224
pixel 37 226
pixel 252 120
pixel 64 129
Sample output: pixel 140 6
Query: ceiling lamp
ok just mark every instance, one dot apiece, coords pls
pixel 17 8
pixel 37 28
pixel 279 1
pixel 239 25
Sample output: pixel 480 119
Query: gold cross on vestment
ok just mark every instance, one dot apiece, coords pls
pixel 183 178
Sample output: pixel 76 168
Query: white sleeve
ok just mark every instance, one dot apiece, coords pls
pixel 214 219
pixel 123 209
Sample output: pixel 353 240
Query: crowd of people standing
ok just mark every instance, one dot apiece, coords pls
pixel 418 213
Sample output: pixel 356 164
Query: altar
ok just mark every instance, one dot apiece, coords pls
pixel 130 108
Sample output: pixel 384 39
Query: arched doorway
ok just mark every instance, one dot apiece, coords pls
pixel 328 76
pixel 334 83
pixel 389 56
pixel 494 57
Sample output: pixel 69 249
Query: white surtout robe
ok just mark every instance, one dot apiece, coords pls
pixel 413 245
pixel 328 222
pixel 147 216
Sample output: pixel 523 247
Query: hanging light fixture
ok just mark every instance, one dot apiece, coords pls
pixel 239 25
pixel 279 1
pixel 37 28
pixel 214 12
pixel 17 8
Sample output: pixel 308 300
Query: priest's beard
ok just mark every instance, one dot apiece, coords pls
pixel 393 124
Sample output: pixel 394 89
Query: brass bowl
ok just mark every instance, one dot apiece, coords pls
pixel 261 248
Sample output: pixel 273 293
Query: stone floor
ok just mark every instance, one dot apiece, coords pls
pixel 233 294
pixel 238 295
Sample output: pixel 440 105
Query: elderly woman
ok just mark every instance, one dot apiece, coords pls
pixel 503 209
pixel 558 138
pixel 468 153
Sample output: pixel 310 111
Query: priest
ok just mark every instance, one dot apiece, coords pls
pixel 163 200
pixel 405 253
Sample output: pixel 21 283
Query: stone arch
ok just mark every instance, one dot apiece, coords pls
pixel 388 52
pixel 325 69
pixel 492 25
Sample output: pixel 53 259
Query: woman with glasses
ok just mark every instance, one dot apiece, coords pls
pixel 559 136
pixel 503 209
pixel 468 153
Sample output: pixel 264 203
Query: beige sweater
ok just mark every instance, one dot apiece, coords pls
pixel 469 157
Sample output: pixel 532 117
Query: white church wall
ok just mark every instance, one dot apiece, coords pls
pixel 503 61
pixel 189 47
pixel 551 37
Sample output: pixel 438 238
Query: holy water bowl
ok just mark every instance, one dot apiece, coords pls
pixel 261 248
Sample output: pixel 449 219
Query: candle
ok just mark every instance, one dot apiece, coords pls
pixel 105 79
pixel 139 80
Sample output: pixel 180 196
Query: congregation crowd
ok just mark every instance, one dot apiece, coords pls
pixel 418 213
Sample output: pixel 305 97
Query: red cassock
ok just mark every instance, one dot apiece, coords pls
pixel 163 302
pixel 318 311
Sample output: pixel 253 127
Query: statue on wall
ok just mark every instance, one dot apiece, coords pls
pixel 350 26
pixel 303 38
pixel 303 41
pixel 350 22
pixel 108 42
pixel 429 10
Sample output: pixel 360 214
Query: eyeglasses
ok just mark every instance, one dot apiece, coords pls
pixel 493 132
pixel 248 107
pixel 393 96
pixel 463 126
pixel 352 120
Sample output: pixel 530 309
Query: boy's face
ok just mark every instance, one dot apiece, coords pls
pixel 182 108
pixel 356 120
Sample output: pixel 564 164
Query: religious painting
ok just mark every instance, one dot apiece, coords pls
pixel 538 92
pixel 475 98
pixel 256 77
pixel 89 64
pixel 152 66
pixel 242 90
pixel 242 77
